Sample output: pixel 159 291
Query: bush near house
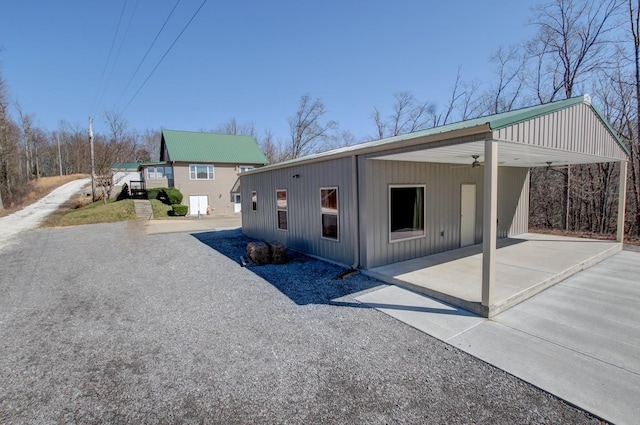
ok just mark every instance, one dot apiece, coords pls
pixel 174 195
pixel 153 192
pixel 167 195
pixel 179 209
pixel 124 193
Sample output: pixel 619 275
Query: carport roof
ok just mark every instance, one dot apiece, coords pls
pixel 529 137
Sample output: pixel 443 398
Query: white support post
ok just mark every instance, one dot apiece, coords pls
pixel 489 222
pixel 622 198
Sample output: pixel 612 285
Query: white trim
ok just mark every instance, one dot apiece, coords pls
pixel 254 192
pixel 212 173
pixel 424 211
pixel 286 209
pixel 337 214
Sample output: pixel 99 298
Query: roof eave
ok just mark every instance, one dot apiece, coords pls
pixel 411 140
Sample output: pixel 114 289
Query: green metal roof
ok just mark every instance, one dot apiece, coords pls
pixel 485 123
pixel 133 165
pixel 191 146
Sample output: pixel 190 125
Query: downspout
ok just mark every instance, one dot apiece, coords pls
pixel 355 205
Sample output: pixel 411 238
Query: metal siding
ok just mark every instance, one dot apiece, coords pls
pixel 443 184
pixel 575 129
pixel 303 201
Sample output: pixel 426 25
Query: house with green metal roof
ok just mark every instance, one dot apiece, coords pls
pixel 204 167
pixel 415 195
pixel 124 172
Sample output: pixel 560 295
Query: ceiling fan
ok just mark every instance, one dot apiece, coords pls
pixel 556 167
pixel 474 164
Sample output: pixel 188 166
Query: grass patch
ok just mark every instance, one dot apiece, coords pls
pixel 97 212
pixel 160 210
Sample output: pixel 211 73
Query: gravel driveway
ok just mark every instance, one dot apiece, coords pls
pixel 103 324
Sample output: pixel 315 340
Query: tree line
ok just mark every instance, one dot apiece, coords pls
pixel 580 46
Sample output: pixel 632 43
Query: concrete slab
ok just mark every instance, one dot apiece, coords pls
pixel 525 266
pixel 578 340
pixel 596 386
pixel 208 223
pixel 445 321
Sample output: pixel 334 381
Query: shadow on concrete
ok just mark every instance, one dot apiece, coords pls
pixel 303 279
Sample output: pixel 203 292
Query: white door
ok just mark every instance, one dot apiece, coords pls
pixel 237 206
pixel 198 204
pixel 467 214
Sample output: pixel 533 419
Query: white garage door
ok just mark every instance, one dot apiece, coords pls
pixel 198 204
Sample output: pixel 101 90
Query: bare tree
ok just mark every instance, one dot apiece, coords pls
pixel 270 148
pixel 308 130
pixel 632 109
pixel 573 41
pixel 464 99
pixel 233 127
pixel 510 77
pixel 408 115
pixel 572 44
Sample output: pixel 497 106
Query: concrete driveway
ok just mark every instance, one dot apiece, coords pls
pixel 579 340
pixel 32 215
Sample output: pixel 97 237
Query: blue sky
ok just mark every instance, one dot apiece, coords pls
pixel 251 60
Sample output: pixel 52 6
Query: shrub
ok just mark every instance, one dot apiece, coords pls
pixel 167 195
pixel 153 192
pixel 124 192
pixel 174 195
pixel 179 209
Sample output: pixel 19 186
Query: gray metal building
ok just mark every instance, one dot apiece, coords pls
pixel 426 192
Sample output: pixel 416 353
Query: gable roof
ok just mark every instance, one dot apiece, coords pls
pixel 210 147
pixel 488 125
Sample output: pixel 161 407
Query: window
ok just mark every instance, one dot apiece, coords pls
pixel 244 168
pixel 281 209
pixel 201 172
pixel 406 212
pixel 159 172
pixel 329 212
pixel 254 201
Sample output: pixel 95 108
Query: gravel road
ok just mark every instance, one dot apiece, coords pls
pixel 104 324
pixel 32 215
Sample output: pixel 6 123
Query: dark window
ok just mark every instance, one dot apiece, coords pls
pixel 281 207
pixel 254 201
pixel 406 212
pixel 329 212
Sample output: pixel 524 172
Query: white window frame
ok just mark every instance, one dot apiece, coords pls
pixel 254 200
pixel 243 168
pixel 336 214
pixel 424 212
pixel 285 209
pixel 193 172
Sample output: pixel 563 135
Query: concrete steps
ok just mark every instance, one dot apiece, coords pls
pixel 143 209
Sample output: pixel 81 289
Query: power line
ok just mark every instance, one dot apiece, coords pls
pixel 113 42
pixel 124 38
pixel 148 50
pixel 163 56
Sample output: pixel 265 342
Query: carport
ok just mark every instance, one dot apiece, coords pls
pixel 498 273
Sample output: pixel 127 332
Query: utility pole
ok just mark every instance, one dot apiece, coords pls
pixel 93 166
